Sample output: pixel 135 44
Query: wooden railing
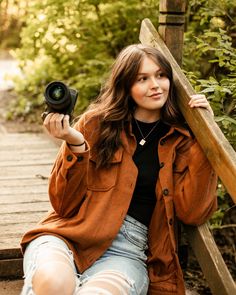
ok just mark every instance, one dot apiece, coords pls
pixel 222 158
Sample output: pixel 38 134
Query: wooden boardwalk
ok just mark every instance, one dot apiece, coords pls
pixel 26 160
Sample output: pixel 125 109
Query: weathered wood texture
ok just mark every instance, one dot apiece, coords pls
pixel 207 253
pixel 11 287
pixel 25 164
pixel 216 147
pixel 171 26
pixel 222 158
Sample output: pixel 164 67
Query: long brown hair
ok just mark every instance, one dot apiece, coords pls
pixel 115 106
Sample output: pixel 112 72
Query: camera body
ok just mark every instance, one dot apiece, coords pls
pixel 60 98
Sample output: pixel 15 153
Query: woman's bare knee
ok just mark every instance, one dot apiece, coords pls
pixel 54 277
pixel 54 272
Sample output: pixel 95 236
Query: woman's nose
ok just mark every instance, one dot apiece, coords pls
pixel 154 83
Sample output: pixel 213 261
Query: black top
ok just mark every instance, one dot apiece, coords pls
pixel 147 162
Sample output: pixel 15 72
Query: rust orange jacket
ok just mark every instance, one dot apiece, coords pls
pixel 90 205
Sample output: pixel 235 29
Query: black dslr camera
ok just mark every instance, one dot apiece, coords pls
pixel 60 98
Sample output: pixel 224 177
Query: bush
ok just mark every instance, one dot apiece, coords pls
pixel 210 42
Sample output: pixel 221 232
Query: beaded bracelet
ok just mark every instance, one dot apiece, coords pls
pixel 76 144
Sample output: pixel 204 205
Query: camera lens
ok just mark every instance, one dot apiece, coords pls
pixel 60 98
pixel 57 92
pixel 57 95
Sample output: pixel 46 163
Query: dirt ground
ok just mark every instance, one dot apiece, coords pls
pixel 225 237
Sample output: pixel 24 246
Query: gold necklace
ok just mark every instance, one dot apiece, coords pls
pixel 144 138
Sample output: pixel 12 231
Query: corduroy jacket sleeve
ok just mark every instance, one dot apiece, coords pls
pixel 195 185
pixel 68 179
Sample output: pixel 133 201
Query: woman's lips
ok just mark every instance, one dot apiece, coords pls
pixel 155 95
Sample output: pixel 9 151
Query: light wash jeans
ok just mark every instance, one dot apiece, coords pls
pixel 126 255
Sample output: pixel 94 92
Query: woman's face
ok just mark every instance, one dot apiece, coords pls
pixel 149 91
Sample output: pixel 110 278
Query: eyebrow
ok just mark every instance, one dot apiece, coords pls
pixel 160 70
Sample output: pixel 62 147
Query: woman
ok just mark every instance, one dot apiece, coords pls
pixel 125 173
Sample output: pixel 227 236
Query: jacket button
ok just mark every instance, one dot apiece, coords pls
pixel 170 221
pixel 80 158
pixel 165 192
pixel 162 164
pixel 69 158
pixel 162 142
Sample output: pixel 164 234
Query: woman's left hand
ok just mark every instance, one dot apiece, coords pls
pixel 200 101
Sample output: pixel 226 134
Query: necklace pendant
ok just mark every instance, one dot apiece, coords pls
pixel 142 142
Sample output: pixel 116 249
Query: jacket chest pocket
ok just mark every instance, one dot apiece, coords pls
pixel 180 168
pixel 104 179
pixel 180 164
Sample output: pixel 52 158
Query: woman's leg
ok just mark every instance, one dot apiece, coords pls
pixel 107 282
pixel 49 268
pixel 122 269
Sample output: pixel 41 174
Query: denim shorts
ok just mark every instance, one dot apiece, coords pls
pixel 126 255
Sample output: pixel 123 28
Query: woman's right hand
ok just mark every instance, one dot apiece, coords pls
pixel 58 126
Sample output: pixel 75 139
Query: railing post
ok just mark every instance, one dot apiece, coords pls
pixel 171 26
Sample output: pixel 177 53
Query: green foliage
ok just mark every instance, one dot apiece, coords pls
pixel 224 205
pixel 210 64
pixel 210 58
pixel 75 42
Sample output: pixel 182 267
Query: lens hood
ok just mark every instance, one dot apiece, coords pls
pixel 60 101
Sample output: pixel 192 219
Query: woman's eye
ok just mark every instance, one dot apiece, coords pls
pixel 142 79
pixel 160 75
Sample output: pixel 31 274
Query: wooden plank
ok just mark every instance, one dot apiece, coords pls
pixel 15 225
pixel 23 218
pixel 19 172
pixel 216 147
pixel 24 198
pixel 11 287
pixel 20 159
pixel 10 253
pixel 207 253
pixel 30 189
pixel 13 240
pixel 25 143
pixel 171 26
pixel 11 183
pixel 23 207
pixel 24 177
pixel 11 268
pixel 18 138
pixel 17 230
pixel 28 162
pixel 48 153
pixel 22 145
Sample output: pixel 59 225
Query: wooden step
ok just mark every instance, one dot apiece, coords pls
pixel 26 160
pixel 9 287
